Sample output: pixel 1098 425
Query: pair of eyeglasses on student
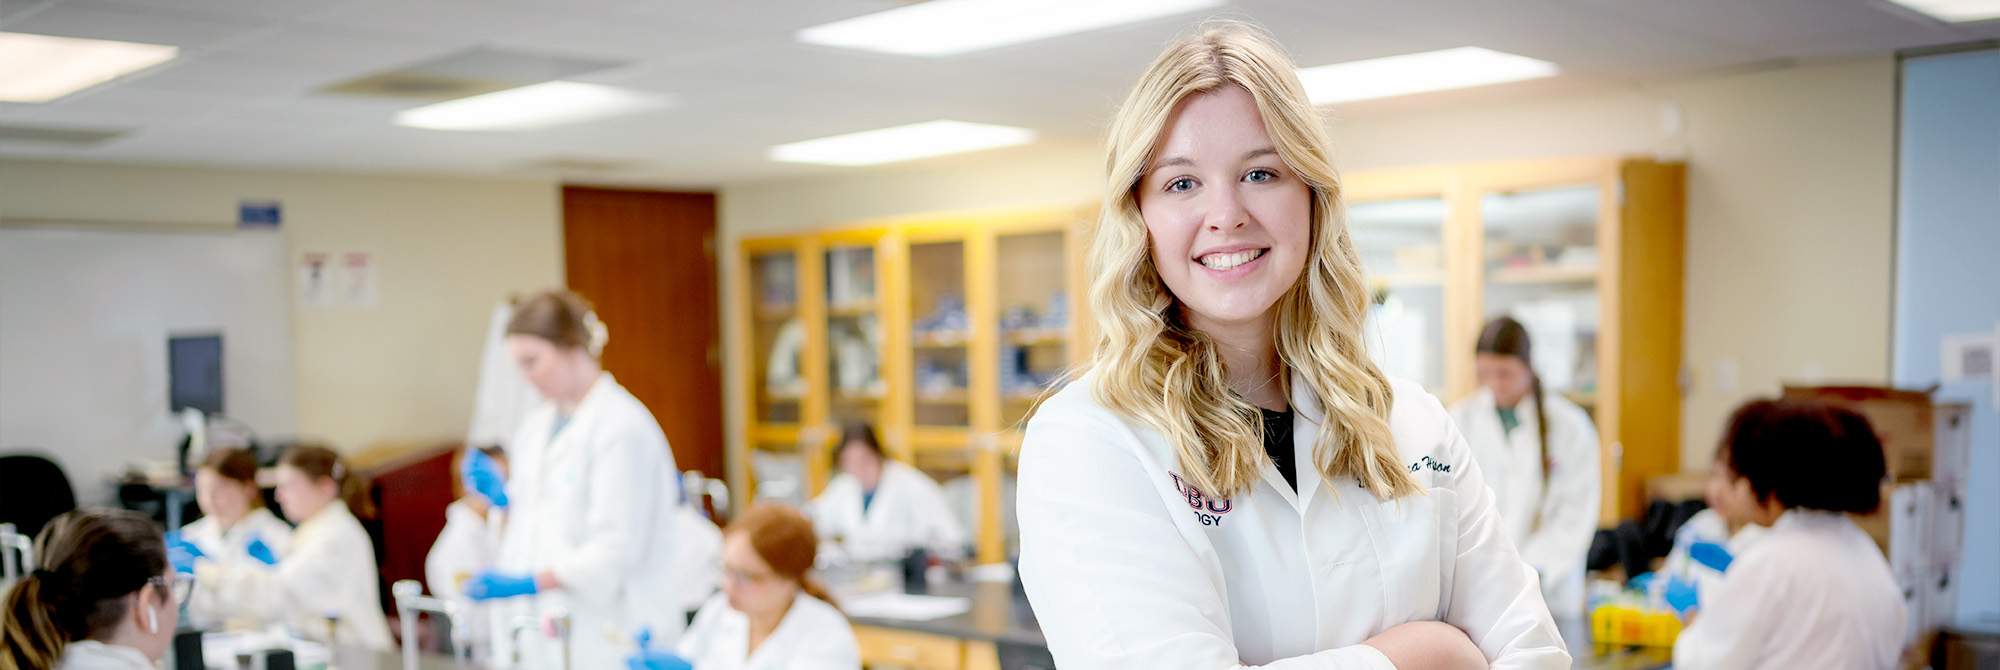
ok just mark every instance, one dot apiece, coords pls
pixel 182 586
pixel 741 577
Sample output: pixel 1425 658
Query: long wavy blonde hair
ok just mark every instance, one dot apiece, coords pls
pixel 1155 369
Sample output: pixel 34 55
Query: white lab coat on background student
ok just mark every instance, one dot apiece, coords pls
pixel 812 636
pixel 209 606
pixel 698 553
pixel 594 503
pixel 330 570
pixel 1815 592
pixel 1551 524
pixel 468 544
pixel 908 511
pixel 1129 566
pixel 1707 526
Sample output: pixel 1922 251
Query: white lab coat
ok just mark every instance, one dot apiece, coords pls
pixel 94 655
pixel 909 511
pixel 596 506
pixel 1129 566
pixel 329 571
pixel 1552 525
pixel 1815 592
pixel 812 636
pixel 210 607
pixel 1707 526
pixel 698 550
pixel 467 545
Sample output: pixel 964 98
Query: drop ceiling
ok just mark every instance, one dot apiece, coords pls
pixel 246 91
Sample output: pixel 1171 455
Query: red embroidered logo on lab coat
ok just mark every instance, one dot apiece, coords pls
pixel 1196 499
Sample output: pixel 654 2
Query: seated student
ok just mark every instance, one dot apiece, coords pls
pixel 772 613
pixel 1712 538
pixel 469 541
pixel 235 528
pixel 105 598
pixel 329 579
pixel 880 508
pixel 1815 592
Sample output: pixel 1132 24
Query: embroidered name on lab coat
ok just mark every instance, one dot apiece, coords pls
pixel 1202 504
pixel 1433 465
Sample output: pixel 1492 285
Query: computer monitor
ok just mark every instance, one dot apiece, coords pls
pixel 194 372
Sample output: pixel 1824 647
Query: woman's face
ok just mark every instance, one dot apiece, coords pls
pixel 1230 222
pixel 1506 376
pixel 301 495
pixel 1728 494
pixel 221 497
pixel 861 463
pixel 551 369
pixel 749 582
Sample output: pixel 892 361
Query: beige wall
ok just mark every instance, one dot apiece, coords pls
pixel 1789 203
pixel 447 249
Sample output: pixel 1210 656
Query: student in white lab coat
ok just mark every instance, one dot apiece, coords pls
pixel 1233 482
pixel 330 570
pixel 235 528
pixel 1709 541
pixel 1815 592
pixel 468 544
pixel 589 498
pixel 1539 452
pixel 772 614
pixel 880 508
pixel 105 598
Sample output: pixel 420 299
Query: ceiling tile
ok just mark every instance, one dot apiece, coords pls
pixel 443 20
pixel 80 20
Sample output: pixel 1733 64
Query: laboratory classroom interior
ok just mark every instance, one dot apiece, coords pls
pixel 270 223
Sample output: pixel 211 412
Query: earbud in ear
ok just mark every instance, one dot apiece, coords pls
pixel 152 619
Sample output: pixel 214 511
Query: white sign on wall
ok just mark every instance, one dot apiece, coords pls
pixel 359 283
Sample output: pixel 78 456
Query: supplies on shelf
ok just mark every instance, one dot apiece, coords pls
pixel 850 276
pixel 946 321
pixel 779 281
pixel 857 346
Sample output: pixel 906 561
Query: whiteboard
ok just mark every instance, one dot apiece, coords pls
pixel 84 321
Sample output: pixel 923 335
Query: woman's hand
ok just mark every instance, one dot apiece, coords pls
pixel 1428 645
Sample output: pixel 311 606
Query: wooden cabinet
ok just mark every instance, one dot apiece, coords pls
pixel 1587 253
pixel 891 648
pixel 941 330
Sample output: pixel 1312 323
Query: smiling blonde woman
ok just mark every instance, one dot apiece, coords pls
pixel 1232 482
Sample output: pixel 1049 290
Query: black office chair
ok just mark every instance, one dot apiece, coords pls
pixel 33 490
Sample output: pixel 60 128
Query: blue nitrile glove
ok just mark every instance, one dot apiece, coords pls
pixel 481 474
pixel 1681 595
pixel 1641 581
pixel 181 553
pixel 262 552
pixel 648 658
pixel 488 585
pixel 1711 555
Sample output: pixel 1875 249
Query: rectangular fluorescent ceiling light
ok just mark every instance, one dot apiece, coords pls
pixel 1462 67
pixel 1955 11
pixel 939 28
pixel 533 107
pixel 40 68
pixel 901 143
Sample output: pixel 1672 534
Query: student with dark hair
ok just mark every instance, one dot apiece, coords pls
pixel 105 597
pixel 880 508
pixel 1815 592
pixel 328 580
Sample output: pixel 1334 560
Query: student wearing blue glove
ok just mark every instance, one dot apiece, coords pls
pixel 590 495
pixel 1815 592
pixel 235 530
pixel 771 613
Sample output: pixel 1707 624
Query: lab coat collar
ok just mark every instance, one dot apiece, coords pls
pixel 1308 419
pixel 591 405
pixel 1485 408
pixel 94 655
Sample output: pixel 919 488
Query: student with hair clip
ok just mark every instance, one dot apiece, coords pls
pixel 590 499
pixel 1539 452
pixel 1815 591
pixel 772 612
pixel 881 508
pixel 330 571
pixel 105 597
pixel 235 529
pixel 1232 482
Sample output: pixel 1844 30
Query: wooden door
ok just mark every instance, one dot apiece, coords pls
pixel 646 259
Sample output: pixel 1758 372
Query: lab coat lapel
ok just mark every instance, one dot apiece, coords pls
pixel 581 421
pixel 1308 419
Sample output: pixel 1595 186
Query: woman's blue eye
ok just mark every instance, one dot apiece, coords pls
pixel 1260 176
pixel 1180 185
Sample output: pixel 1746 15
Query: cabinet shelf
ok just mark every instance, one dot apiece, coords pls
pixel 1543 275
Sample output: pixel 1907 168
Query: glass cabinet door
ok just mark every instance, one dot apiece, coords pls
pixel 777 337
pixel 854 335
pixel 1401 244
pixel 1540 263
pixel 1034 319
pixel 941 334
